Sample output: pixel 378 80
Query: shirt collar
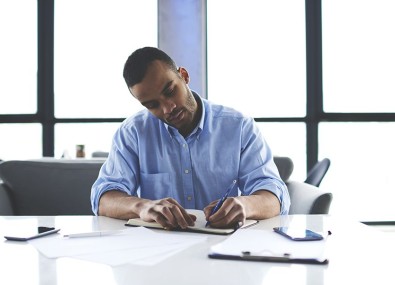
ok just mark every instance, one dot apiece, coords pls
pixel 203 117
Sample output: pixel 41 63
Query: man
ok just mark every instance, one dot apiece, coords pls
pixel 182 152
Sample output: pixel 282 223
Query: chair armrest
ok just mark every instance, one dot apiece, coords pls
pixel 6 208
pixel 308 199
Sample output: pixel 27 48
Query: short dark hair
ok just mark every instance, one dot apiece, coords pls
pixel 137 64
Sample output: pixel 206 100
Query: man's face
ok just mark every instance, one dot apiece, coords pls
pixel 167 96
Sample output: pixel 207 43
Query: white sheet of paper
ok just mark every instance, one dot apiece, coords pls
pixel 133 245
pixel 137 256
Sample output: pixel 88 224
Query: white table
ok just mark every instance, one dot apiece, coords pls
pixel 357 254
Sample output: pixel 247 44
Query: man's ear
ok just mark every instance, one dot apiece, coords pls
pixel 184 74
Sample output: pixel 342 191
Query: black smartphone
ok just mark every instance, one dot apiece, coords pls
pixel 27 234
pixel 298 234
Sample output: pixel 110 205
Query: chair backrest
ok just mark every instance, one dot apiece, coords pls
pixel 285 166
pixel 317 173
pixel 6 208
pixel 50 186
pixel 308 199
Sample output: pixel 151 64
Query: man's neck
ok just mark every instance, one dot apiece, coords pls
pixel 196 119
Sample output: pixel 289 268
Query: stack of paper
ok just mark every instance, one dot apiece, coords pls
pixel 134 245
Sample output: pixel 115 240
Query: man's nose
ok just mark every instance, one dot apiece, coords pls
pixel 168 106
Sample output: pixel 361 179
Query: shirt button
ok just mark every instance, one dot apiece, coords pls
pixel 189 198
pixel 184 145
pixel 186 171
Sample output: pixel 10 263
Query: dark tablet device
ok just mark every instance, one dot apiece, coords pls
pixel 27 234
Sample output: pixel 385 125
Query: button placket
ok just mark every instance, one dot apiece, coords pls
pixel 187 176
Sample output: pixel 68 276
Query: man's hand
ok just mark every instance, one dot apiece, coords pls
pixel 167 212
pixel 231 214
pixel 260 205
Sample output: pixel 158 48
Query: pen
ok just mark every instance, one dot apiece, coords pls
pixel 221 201
pixel 93 234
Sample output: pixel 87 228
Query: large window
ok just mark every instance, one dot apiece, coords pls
pixel 358 77
pixel 343 109
pixel 358 55
pixel 48 104
pixel 93 39
pixel 18 56
pixel 88 63
pixel 20 141
pixel 94 136
pixel 288 139
pixel 361 171
pixel 256 56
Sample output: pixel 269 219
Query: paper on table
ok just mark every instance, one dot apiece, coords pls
pixel 137 256
pixel 268 243
pixel 133 245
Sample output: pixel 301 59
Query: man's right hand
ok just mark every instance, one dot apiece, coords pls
pixel 167 212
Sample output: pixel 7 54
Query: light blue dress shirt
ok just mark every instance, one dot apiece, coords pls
pixel 152 160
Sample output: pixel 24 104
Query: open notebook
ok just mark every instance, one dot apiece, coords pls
pixel 200 225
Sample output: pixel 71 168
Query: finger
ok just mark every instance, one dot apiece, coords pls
pixel 190 219
pixel 168 215
pixel 160 219
pixel 185 219
pixel 160 213
pixel 223 210
pixel 179 218
pixel 176 215
pixel 229 215
pixel 193 217
pixel 207 210
pixel 228 222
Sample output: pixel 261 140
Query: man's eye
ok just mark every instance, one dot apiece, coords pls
pixel 151 105
pixel 169 93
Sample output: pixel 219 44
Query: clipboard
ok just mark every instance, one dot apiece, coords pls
pixel 268 258
pixel 267 246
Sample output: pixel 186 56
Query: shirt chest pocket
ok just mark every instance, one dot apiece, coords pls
pixel 156 186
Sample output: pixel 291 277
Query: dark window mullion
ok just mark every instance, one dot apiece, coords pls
pixel 45 73
pixel 314 105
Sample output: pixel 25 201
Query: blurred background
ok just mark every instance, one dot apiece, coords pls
pixel 317 76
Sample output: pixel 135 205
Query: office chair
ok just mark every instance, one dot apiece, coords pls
pixel 47 187
pixel 305 198
pixel 285 166
pixel 317 173
pixel 308 199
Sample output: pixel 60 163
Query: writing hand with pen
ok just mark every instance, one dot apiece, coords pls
pixel 225 212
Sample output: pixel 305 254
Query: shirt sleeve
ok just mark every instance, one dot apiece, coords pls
pixel 257 168
pixel 119 170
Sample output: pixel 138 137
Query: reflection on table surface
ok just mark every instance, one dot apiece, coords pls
pixel 357 254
